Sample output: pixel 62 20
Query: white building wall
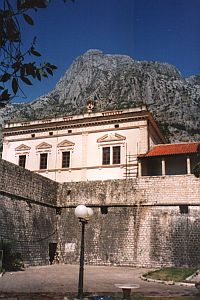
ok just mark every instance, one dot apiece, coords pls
pixel 85 144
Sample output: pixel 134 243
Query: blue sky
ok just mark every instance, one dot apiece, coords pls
pixel 154 30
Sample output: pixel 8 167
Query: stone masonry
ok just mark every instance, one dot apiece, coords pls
pixel 147 221
pixel 27 212
pixel 151 221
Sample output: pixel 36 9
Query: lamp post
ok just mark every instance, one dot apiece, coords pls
pixel 83 213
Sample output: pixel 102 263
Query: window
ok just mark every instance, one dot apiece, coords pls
pixel 43 161
pixel 116 125
pixel 183 209
pixel 114 152
pixel 106 156
pixel 116 155
pixel 104 210
pixel 22 161
pixel 65 159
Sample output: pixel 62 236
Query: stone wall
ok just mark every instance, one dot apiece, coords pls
pixel 158 190
pixel 134 236
pixel 27 212
pixel 147 223
pixel 150 221
pixel 23 183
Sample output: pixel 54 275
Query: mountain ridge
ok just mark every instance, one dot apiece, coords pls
pixel 117 82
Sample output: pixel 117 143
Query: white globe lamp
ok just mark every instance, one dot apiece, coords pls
pixel 81 211
pixel 89 213
pixel 84 214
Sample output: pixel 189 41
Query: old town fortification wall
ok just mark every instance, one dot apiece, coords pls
pixel 27 212
pixel 160 190
pixel 148 221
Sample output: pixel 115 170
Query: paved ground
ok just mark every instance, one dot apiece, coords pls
pixel 57 280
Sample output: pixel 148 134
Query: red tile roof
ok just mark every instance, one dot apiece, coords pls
pixel 172 149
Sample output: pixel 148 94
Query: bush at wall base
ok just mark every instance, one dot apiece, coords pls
pixel 12 260
pixel 197 285
pixel 196 170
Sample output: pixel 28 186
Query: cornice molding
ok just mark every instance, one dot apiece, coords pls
pixel 57 127
pixel 119 166
pixel 41 137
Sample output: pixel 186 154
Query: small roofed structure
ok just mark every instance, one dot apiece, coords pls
pixel 169 159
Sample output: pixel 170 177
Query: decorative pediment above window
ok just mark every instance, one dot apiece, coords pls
pixel 111 137
pixel 65 144
pixel 23 147
pixel 43 146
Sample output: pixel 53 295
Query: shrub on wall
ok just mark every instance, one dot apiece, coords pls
pixel 196 170
pixel 11 260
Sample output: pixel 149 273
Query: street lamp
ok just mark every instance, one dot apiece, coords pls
pixel 83 213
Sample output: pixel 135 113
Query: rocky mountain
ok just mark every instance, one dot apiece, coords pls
pixel 118 81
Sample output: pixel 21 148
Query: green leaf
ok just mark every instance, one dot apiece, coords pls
pixel 15 85
pixel 34 52
pixel 26 80
pixel 53 67
pixel 5 96
pixel 44 74
pixel 38 75
pixel 5 77
pixel 28 19
pixel 16 66
pixel 41 4
pixel 49 71
pixel 22 71
pixel 11 30
pixel 18 4
pixel 30 69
